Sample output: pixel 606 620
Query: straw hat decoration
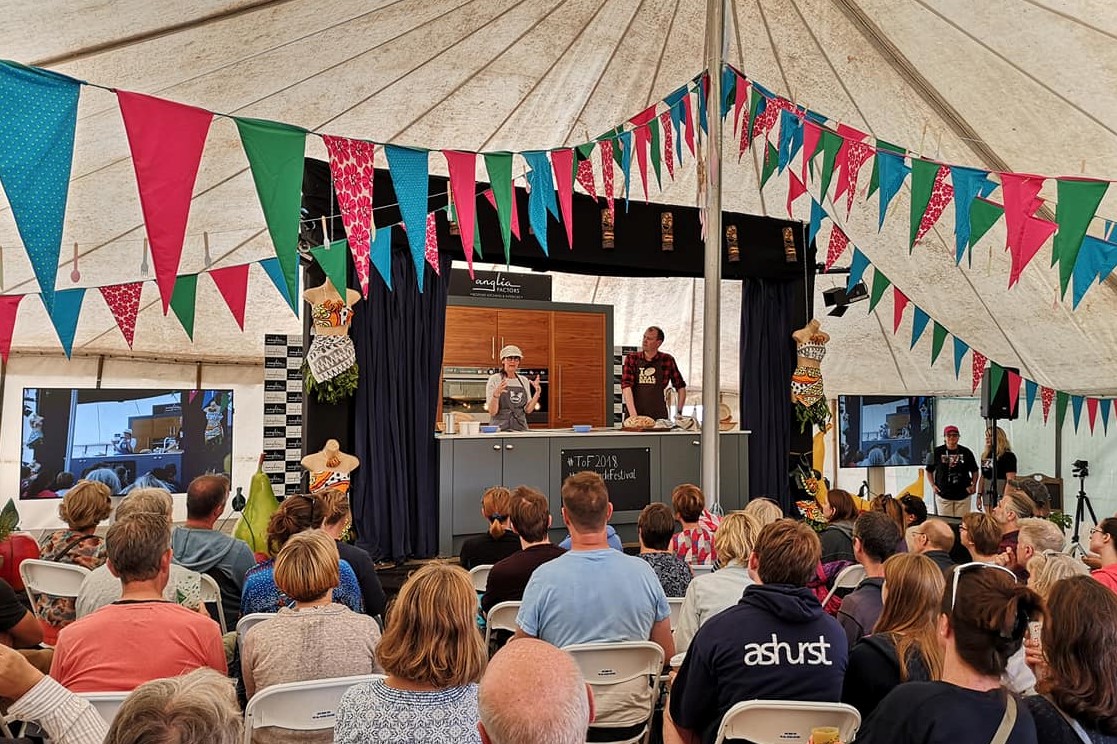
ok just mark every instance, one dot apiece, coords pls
pixel 725 417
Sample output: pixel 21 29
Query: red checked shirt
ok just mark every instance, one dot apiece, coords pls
pixel 635 360
pixel 695 546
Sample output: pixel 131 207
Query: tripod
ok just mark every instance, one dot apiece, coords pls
pixel 1079 512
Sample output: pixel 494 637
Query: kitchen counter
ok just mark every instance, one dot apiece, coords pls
pixel 548 433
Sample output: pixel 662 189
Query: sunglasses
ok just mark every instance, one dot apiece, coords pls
pixel 958 570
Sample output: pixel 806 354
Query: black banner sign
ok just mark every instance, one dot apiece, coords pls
pixel 501 285
pixel 627 473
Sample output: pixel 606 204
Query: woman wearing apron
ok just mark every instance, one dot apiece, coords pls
pixel 507 393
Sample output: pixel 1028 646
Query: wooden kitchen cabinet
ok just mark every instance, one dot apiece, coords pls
pixel 528 329
pixel 471 337
pixel 578 356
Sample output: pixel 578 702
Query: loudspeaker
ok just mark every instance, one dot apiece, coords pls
pixel 994 403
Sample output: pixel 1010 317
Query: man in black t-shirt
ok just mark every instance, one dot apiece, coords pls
pixel 18 627
pixel 954 472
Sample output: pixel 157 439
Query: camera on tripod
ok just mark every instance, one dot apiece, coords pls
pixel 1080 468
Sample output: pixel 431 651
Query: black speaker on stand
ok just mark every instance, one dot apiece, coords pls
pixel 996 406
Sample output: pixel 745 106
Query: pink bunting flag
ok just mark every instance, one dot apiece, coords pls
pixel 431 253
pixel 232 283
pixel 740 102
pixel 859 154
pixel 491 197
pixel 942 193
pixel 585 176
pixel 979 360
pixel 462 167
pixel 838 244
pixel 9 307
pixel 351 165
pixel 1026 232
pixel 688 122
pixel 605 147
pixel 899 303
pixel 1014 381
pixel 166 140
pixel 1092 410
pixel 562 162
pixel 850 137
pixel 812 133
pixel 642 138
pixel 124 303
pixel 668 130
pixel 795 189
pixel 1046 397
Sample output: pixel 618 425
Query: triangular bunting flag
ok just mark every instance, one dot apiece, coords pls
pixel 274 271
pixel 382 252
pixel 624 142
pixel 1106 404
pixel 812 135
pixel 36 153
pixel 969 183
pixel 1078 203
pixel 64 316
pixel 1014 380
pixel 740 99
pixel 838 242
pixel 960 350
pixel 124 304
pixel 1092 412
pixel 409 169
pixel 9 308
pixel 857 266
pixel 919 321
pixel 166 139
pixel 332 260
pixel 585 174
pixel 859 153
pixel 606 149
pixel 703 92
pixel 996 371
pixel 1026 233
pixel 941 195
pixel 818 214
pixel 983 215
pixel 899 302
pixel 923 175
pixel 1061 401
pixel 1030 389
pixel 831 144
pixel 276 155
pixel 795 189
pixel 770 159
pixel 1046 397
pixel 791 138
pixel 655 148
pixel 938 338
pixel 1096 260
pixel 563 161
pixel 640 139
pixel 1076 406
pixel 430 249
pixel 668 144
pixel 232 283
pixel 893 171
pixel 183 301
pixel 462 167
pixel 728 90
pixel 757 104
pixel 688 122
pixel 541 198
pixel 880 283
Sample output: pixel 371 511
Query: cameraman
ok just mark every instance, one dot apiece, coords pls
pixel 954 472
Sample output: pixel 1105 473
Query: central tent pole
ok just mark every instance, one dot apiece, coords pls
pixel 711 309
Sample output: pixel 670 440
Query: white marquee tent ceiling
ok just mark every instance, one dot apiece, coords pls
pixel 1025 85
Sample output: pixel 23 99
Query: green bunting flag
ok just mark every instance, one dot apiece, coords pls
pixel 831 142
pixel 771 158
pixel 332 259
pixel 983 215
pixel 499 167
pixel 937 340
pixel 183 300
pixel 922 183
pixel 656 151
pixel 756 100
pixel 874 179
pixel 1078 201
pixel 880 283
pixel 1061 400
pixel 996 374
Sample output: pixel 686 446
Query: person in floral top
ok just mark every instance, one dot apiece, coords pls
pixel 83 507
pixel 695 544
pixel 655 527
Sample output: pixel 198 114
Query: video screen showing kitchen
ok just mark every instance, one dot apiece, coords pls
pixel 124 438
pixel 885 430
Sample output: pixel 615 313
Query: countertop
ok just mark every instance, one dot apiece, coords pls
pixel 596 432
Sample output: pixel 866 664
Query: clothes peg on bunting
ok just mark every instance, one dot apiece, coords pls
pixel 75 274
pixel 325 232
pixel 144 268
pixel 205 247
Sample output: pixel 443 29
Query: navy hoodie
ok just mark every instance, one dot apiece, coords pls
pixel 775 644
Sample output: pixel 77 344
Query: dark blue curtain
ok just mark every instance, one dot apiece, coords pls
pixel 767 361
pixel 399 336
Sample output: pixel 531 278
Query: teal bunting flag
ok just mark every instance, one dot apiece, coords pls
pixel 1030 389
pixel 893 171
pixel 703 90
pixel 542 191
pixel 1076 405
pixel 728 90
pixel 818 214
pixel 274 270
pixel 857 266
pixel 624 140
pixel 381 251
pixel 919 322
pixel 64 316
pixel 409 170
pixel 791 138
pixel 968 183
pixel 1097 259
pixel 961 348
pixel 1106 403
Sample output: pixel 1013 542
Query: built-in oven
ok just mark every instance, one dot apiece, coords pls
pixel 463 392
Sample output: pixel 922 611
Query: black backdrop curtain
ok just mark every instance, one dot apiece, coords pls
pixel 768 309
pixel 399 336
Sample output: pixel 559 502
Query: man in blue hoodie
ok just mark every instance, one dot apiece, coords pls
pixel 775 644
pixel 199 547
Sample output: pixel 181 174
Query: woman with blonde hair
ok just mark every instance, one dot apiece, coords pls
pixel 904 645
pixel 709 594
pixel 501 541
pixel 336 521
pixel 764 509
pixel 1001 453
pixel 1045 568
pixel 434 657
pixel 981 535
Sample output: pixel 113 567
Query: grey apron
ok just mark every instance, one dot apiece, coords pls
pixel 510 412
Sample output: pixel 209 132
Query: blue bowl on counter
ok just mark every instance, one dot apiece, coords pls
pixel 583 428
pixel 489 429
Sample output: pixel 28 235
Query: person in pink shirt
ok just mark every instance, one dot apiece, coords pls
pixel 1103 541
pixel 695 544
pixel 141 636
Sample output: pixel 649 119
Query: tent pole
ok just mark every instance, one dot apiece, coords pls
pixel 711 309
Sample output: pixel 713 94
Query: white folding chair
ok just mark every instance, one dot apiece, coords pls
pixel 299 706
pixel 247 621
pixel 848 578
pixel 783 721
pixel 676 604
pixel 480 577
pixel 614 670
pixel 501 617
pixel 105 703
pixel 212 593
pixel 48 577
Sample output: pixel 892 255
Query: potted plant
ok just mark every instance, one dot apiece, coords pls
pixel 15 546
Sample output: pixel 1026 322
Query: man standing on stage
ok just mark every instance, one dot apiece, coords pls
pixel 954 472
pixel 646 375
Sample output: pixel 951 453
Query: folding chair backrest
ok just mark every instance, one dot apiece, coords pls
pixel 211 593
pixel 480 576
pixel 701 570
pixel 48 577
pixel 247 621
pixel 676 604
pixel 299 706
pixel 501 617
pixel 848 578
pixel 786 721
pixel 105 703
pixel 623 666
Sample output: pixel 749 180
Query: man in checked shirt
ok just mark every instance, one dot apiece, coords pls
pixel 646 375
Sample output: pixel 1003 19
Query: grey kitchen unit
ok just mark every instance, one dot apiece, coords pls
pixel 639 468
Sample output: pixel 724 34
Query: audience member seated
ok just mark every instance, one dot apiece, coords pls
pixel 18 627
pixel 336 522
pixel 534 692
pixel 837 537
pixel 1075 665
pixel 655 527
pixel 296 514
pixel 890 506
pixel 195 708
pixel 874 541
pixel 314 640
pixel 764 509
pixel 199 547
pixel 1036 536
pixel 1046 568
pixel 101 587
pixel 531 519
pixel 904 646
pixel 434 657
pixel 792 650
pixel 141 636
pixel 83 507
pixel 695 543
pixel 626 600
pixel 65 717
pixel 984 616
pixel 934 539
pixel 981 535
pixel 915 510
pixel 711 593
pixel 1036 491
pixel 501 541
pixel 1103 542
pixel 1008 512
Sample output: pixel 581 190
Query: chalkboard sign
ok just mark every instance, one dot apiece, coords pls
pixel 627 473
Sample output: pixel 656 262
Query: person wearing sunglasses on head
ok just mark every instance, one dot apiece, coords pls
pixel 984 616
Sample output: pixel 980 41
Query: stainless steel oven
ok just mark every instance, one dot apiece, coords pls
pixel 463 391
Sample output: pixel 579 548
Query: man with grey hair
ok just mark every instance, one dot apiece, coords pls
pixel 196 708
pixel 522 674
pixel 142 636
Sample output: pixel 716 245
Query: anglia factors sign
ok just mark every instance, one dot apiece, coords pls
pixel 501 285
